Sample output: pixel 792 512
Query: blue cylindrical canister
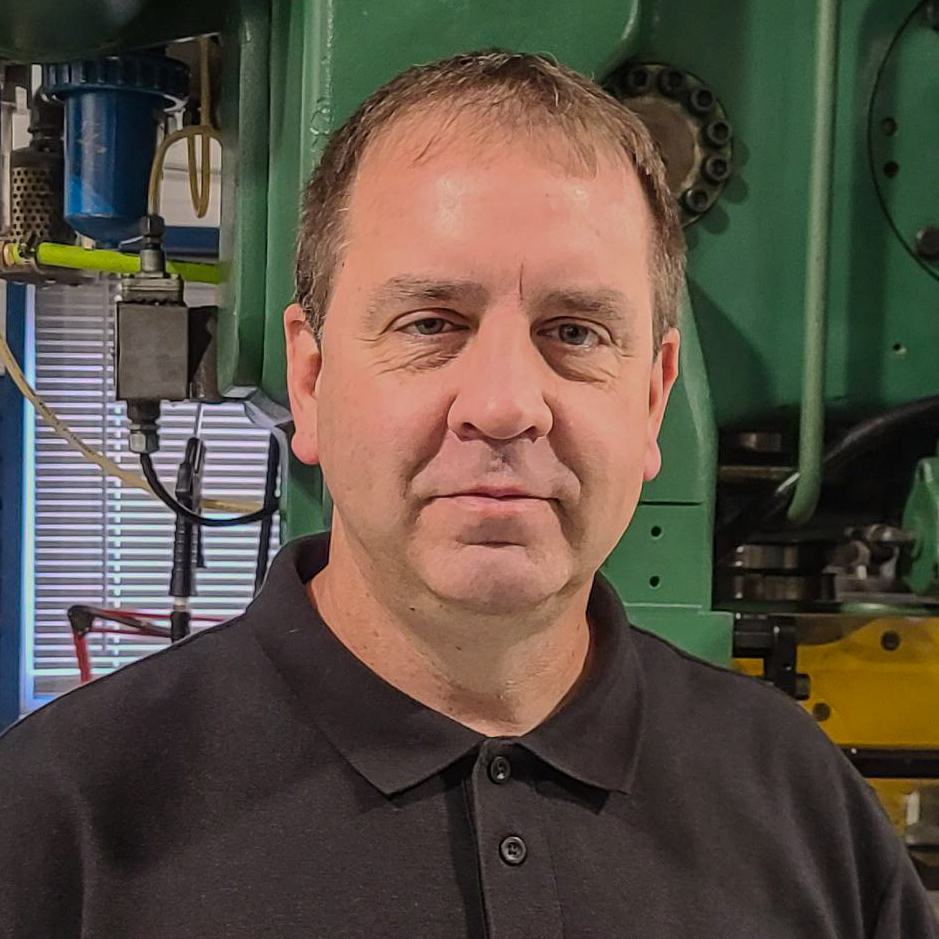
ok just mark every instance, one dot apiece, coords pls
pixel 113 107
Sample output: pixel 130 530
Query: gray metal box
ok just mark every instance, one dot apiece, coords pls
pixel 152 351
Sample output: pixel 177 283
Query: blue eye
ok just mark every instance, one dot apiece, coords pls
pixel 575 334
pixel 432 326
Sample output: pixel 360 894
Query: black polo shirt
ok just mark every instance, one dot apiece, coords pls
pixel 257 781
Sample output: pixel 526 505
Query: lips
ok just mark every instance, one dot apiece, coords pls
pixel 498 493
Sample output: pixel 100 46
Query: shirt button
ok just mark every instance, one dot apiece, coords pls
pixel 500 769
pixel 513 850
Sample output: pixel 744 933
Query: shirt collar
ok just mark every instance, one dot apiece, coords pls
pixel 396 742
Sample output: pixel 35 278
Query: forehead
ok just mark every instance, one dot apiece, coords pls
pixel 464 195
pixel 431 139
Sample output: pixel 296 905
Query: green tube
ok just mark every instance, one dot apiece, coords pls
pixel 115 262
pixel 812 411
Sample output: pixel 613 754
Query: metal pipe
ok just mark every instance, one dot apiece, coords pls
pixel 815 312
pixel 111 262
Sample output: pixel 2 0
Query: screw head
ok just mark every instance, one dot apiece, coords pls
pixel 927 243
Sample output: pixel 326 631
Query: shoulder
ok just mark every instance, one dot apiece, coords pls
pixel 758 749
pixel 734 708
pixel 752 739
pixel 95 721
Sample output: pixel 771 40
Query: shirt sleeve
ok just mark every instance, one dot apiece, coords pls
pixel 906 911
pixel 40 863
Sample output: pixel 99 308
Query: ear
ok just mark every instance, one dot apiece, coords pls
pixel 664 373
pixel 303 370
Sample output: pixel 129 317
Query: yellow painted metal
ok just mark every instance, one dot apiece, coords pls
pixel 866 692
pixel 878 696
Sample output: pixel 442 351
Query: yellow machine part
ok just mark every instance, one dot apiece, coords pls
pixel 877 685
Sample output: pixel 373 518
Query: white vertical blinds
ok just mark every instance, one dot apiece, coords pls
pixel 98 541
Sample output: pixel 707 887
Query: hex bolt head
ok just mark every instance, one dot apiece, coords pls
pixel 927 243
pixel 718 133
pixel 671 82
pixel 696 200
pixel 701 100
pixel 716 169
pixel 143 441
pixel 152 226
pixel 638 80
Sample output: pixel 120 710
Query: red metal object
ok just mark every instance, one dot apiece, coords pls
pixel 82 620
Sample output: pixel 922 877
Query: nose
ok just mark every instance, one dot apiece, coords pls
pixel 500 391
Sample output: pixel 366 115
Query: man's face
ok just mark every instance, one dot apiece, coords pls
pixel 487 403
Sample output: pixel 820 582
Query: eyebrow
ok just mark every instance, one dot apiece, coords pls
pixel 606 304
pixel 408 289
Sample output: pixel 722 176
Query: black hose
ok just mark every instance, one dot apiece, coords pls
pixel 858 440
pixel 267 523
pixel 150 474
pixel 179 625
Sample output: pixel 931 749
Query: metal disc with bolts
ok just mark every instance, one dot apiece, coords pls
pixel 688 123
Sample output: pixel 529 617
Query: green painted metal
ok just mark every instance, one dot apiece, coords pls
pixel 812 410
pixel 661 567
pixel 904 135
pixel 748 255
pixel 243 249
pixel 920 566
pixel 305 506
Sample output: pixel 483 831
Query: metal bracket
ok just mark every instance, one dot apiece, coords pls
pixel 773 639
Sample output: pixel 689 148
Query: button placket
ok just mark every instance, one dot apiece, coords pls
pixel 516 872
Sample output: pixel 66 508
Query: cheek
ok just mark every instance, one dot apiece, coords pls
pixel 607 447
pixel 373 432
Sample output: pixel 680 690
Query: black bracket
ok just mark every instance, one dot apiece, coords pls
pixel 773 639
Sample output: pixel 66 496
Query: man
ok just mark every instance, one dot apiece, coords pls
pixel 437 722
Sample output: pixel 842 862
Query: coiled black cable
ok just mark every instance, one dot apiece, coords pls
pixel 858 440
pixel 266 511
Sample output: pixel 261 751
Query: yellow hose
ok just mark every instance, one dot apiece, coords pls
pixel 204 129
pixel 109 262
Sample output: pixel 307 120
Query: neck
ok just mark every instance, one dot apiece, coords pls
pixel 497 677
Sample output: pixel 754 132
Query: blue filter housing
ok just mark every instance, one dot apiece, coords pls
pixel 113 107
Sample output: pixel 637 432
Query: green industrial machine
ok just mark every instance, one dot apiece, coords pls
pixel 800 139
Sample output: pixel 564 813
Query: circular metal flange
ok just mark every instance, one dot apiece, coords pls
pixel 689 125
pixel 903 137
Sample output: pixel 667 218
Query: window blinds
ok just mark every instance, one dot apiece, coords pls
pixel 95 539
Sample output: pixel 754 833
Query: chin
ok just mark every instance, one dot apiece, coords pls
pixel 496 578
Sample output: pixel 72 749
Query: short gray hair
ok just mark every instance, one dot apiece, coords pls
pixel 507 90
